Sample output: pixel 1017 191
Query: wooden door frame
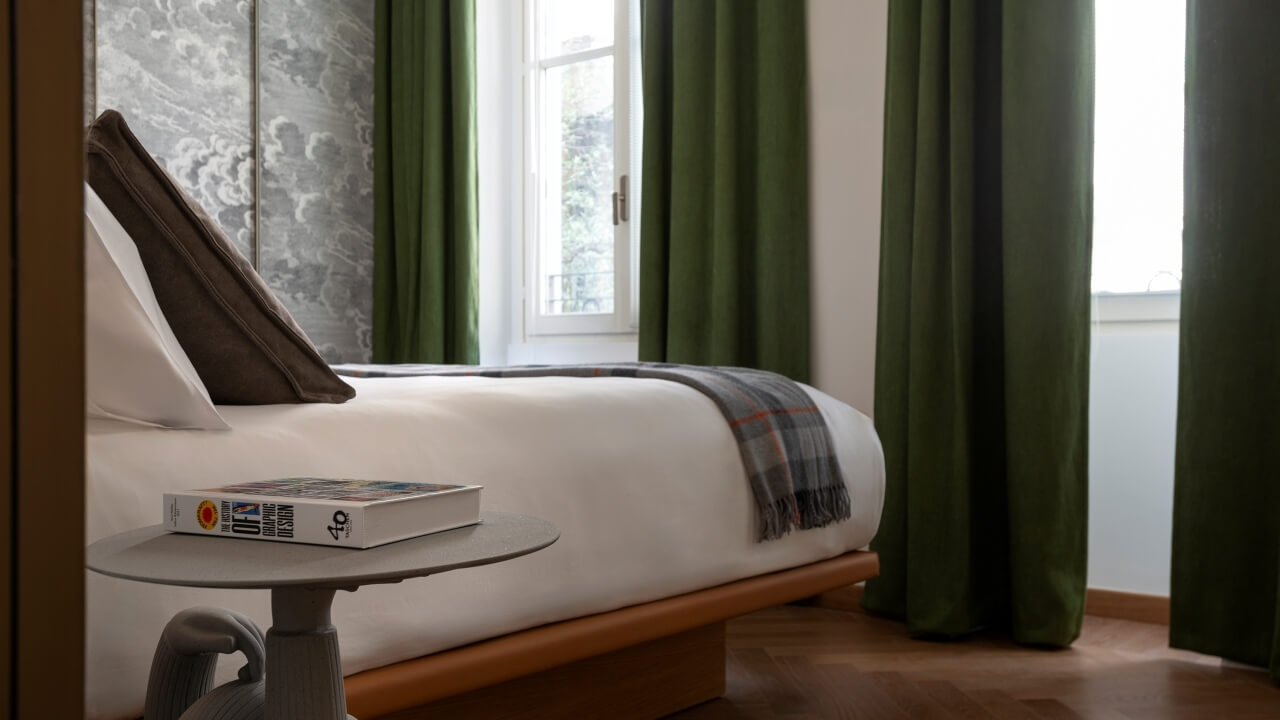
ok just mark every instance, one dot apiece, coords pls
pixel 42 480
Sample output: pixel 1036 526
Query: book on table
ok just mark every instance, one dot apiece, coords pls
pixel 323 511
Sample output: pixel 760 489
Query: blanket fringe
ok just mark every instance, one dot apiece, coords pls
pixel 805 510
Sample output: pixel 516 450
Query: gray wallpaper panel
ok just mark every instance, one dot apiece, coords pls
pixel 315 69
pixel 181 73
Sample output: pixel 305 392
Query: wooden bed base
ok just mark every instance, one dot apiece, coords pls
pixel 642 661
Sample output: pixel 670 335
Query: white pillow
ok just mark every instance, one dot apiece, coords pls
pixel 135 370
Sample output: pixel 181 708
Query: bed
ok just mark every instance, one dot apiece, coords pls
pixel 642 477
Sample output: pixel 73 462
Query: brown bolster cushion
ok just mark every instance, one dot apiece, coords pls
pixel 245 346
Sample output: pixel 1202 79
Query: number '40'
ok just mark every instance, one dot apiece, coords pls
pixel 339 526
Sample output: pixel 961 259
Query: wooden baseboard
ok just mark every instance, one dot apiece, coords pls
pixel 1099 603
pixel 1127 606
pixel 642 682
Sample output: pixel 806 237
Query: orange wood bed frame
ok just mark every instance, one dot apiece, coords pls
pixel 643 661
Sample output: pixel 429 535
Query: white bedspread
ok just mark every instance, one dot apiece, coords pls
pixel 642 477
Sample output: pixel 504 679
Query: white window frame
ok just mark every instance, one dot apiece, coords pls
pixel 623 321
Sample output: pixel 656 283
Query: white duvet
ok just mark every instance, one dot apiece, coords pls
pixel 642 477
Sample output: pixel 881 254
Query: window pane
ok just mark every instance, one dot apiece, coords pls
pixel 1137 229
pixel 574 25
pixel 576 274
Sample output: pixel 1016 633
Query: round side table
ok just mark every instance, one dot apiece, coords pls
pixel 303 669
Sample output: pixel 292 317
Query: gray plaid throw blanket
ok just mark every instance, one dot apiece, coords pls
pixel 784 442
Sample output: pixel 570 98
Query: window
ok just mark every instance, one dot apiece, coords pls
pixel 1137 231
pixel 581 117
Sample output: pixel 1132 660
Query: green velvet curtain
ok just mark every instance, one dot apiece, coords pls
pixel 724 225
pixel 982 362
pixel 425 304
pixel 1226 529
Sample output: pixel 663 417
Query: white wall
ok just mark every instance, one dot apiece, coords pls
pixel 499 165
pixel 847 45
pixel 1133 392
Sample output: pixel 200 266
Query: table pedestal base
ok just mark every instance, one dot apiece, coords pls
pixel 304 676
pixel 304 669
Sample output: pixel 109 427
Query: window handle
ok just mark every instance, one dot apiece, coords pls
pixel 620 212
pixel 624 192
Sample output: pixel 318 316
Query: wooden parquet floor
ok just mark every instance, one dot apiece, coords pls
pixel 805 663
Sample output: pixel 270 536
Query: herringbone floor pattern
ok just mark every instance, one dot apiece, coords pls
pixel 811 662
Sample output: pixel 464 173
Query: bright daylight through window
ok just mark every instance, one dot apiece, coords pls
pixel 1137 229
pixel 580 197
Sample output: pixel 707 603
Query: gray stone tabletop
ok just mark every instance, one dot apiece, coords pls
pixel 153 555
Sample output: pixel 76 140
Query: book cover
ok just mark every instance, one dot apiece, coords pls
pixel 323 511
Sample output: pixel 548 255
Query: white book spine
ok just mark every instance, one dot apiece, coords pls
pixel 316 522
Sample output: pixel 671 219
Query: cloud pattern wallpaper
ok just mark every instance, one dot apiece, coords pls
pixel 187 76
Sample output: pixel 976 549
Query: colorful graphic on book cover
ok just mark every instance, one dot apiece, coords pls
pixel 207 515
pixel 335 489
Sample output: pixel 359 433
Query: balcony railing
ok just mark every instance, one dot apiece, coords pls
pixel 583 292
